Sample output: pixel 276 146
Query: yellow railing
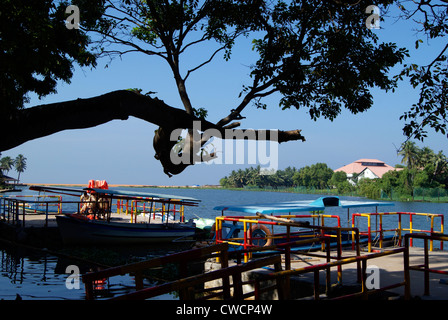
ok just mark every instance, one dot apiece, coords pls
pixel 39 201
pixel 151 208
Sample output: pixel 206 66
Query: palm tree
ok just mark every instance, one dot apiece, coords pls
pixel 425 156
pixel 6 163
pixel 20 165
pixel 410 153
pixel 440 164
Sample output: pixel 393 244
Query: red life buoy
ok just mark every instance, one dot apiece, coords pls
pixel 264 229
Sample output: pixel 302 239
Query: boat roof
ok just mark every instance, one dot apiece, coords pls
pixel 126 193
pixel 65 190
pixel 301 205
pixel 112 192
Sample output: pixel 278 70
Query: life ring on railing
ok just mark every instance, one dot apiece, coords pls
pixel 262 228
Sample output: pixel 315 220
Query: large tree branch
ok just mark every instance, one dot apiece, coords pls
pixel 40 121
pixel 43 120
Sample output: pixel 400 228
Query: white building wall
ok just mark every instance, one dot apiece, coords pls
pixel 367 174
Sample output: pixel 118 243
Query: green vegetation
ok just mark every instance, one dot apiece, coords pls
pixel 423 176
pixel 7 163
pixel 315 178
pixel 20 165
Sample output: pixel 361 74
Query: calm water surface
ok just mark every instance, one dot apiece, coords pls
pixel 38 275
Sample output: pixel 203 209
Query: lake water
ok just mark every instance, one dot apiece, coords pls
pixel 36 275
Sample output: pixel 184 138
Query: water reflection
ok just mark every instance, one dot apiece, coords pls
pixel 37 275
pixel 31 276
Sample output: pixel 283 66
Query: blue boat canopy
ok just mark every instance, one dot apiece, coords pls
pixel 301 205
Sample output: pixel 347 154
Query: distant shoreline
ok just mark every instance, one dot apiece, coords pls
pixel 121 185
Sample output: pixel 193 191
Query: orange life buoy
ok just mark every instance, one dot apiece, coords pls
pixel 264 229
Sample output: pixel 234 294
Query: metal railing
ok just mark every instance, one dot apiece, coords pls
pixel 379 230
pixel 152 209
pixel 15 210
pixel 137 269
pixel 187 291
pixel 187 286
pixel 36 203
pixel 248 224
pixel 422 267
pixel 315 269
pixel 299 241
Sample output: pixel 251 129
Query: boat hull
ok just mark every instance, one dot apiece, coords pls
pixel 82 231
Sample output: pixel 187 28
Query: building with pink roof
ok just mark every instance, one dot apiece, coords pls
pixel 366 168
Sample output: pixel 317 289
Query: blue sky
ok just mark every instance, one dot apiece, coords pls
pixel 121 151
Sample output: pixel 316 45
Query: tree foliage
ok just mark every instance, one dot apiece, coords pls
pixel 427 170
pixel 316 176
pixel 317 55
pixel 340 182
pixel 431 79
pixel 252 177
pixel 7 163
pixel 424 169
pixel 36 50
pixel 20 165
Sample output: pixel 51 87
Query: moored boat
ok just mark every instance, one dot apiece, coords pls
pixel 268 223
pixel 77 229
pixel 145 217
